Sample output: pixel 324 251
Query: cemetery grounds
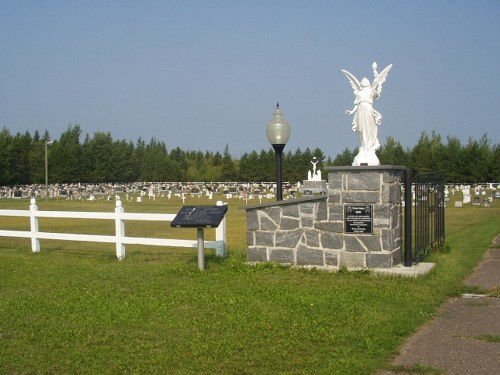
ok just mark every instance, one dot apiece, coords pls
pixel 74 308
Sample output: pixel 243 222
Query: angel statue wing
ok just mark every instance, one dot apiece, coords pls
pixel 356 86
pixel 380 79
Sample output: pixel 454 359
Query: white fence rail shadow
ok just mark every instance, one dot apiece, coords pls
pixel 120 239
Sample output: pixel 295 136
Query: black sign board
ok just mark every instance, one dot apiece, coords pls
pixel 199 217
pixel 358 219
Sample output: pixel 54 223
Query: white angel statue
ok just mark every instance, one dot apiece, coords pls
pixel 366 119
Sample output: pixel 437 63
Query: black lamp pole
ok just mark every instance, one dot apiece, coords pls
pixel 278 149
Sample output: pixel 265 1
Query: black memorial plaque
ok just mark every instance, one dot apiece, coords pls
pixel 358 219
pixel 199 217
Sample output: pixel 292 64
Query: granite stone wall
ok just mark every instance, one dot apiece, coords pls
pixel 311 231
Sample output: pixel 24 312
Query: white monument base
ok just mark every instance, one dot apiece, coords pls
pixel 313 187
pixel 365 158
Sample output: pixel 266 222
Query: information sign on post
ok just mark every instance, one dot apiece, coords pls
pixel 199 217
pixel 358 219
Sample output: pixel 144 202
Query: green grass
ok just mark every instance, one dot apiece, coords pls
pixel 74 308
pixel 489 338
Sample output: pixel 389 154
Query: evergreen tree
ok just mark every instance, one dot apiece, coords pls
pixel 344 159
pixel 249 168
pixel 453 160
pixel 101 150
pixel 229 172
pixel 20 162
pixel 6 156
pixel 495 167
pixel 392 153
pixel 37 159
pixel 65 156
pixel 478 160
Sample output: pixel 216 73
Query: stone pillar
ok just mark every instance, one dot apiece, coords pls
pixel 377 187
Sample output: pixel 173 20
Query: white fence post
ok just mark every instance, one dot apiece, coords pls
pixel 119 230
pixel 35 241
pixel 220 235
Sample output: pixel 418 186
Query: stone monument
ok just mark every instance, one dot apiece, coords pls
pixel 366 119
pixel 358 222
pixel 314 184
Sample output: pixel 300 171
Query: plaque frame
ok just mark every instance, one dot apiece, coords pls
pixel 358 218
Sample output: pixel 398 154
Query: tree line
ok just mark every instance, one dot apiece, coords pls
pixel 100 159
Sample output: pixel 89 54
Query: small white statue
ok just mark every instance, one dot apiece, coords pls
pixel 315 175
pixel 366 119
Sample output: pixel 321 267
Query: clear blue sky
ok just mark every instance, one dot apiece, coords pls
pixel 205 74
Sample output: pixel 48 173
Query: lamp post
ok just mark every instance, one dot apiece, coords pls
pixel 47 143
pixel 278 133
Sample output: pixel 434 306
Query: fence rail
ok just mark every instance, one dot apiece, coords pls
pixel 119 239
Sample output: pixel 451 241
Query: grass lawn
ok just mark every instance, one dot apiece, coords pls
pixel 74 308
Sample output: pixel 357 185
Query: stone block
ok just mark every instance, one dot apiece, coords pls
pixel 395 194
pixel 306 256
pixel 252 220
pixel 289 223
pixel 371 243
pixel 360 197
pixel 397 257
pixel 282 256
pixel 267 224
pixel 330 226
pixel 331 258
pixel 334 196
pixel 307 222
pixel 382 260
pixel 388 239
pixel 250 239
pixel 382 212
pixel 288 238
pixel 322 211
pixel 335 180
pixel 312 238
pixel 257 254
pixel 393 176
pixel 306 209
pixel 332 241
pixel 264 239
pixel 353 244
pixel 336 212
pixel 364 181
pixel 274 213
pixel 290 210
pixel 350 260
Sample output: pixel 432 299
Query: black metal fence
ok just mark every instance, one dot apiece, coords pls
pixel 428 227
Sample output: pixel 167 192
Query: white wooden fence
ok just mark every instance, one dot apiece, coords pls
pixel 120 239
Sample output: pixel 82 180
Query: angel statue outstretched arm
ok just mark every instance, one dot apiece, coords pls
pixel 350 112
pixel 366 119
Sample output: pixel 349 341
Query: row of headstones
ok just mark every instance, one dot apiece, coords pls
pixel 479 191
pixel 247 191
